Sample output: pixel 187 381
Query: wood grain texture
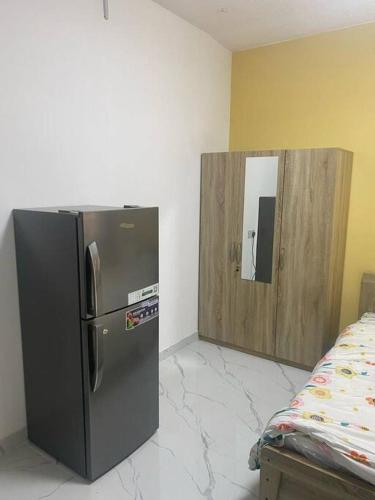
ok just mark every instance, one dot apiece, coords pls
pixel 344 160
pixel 297 477
pixel 296 318
pixel 255 312
pixel 270 482
pixel 233 310
pixel 313 244
pixel 233 231
pixel 367 297
pixel 220 186
pixel 212 248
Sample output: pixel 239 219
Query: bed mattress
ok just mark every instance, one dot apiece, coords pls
pixel 332 420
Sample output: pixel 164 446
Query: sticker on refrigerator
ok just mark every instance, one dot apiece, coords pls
pixel 147 310
pixel 143 293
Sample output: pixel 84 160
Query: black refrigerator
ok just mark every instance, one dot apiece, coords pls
pixel 89 307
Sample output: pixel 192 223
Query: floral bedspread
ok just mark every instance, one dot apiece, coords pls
pixel 334 414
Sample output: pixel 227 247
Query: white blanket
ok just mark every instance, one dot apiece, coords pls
pixel 333 417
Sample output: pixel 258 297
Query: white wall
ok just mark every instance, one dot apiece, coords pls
pixel 109 113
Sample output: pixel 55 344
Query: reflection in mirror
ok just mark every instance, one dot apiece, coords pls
pixel 259 218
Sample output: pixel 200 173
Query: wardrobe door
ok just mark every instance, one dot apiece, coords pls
pixel 255 311
pixel 305 255
pixel 219 234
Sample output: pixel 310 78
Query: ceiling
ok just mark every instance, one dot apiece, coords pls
pixel 242 24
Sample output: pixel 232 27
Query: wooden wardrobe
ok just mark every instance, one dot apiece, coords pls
pixel 295 318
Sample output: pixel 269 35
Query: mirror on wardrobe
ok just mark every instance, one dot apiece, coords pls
pixel 261 174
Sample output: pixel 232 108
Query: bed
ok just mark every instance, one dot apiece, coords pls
pixel 323 445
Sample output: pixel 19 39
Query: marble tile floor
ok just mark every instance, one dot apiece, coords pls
pixel 214 403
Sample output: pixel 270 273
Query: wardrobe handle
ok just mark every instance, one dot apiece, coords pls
pixel 232 252
pixel 238 253
pixel 282 259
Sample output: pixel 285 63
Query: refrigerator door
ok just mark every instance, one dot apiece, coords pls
pixel 121 383
pixel 118 258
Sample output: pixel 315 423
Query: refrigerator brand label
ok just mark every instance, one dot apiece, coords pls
pixel 147 310
pixel 143 293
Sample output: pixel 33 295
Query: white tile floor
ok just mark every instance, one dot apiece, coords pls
pixel 214 403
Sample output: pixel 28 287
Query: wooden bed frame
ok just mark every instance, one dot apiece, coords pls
pixel 286 475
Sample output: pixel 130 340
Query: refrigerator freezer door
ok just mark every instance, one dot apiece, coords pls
pixel 118 258
pixel 121 381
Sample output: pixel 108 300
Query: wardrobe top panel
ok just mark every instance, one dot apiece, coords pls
pixel 277 150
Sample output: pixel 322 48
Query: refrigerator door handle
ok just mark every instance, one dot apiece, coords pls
pixel 97 356
pixel 95 288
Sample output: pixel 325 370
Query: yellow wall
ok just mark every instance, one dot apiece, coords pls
pixel 317 92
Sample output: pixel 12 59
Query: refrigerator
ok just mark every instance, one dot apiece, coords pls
pixel 89 306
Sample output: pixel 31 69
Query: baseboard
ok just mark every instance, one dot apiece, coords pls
pixel 256 353
pixel 176 347
pixel 13 440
